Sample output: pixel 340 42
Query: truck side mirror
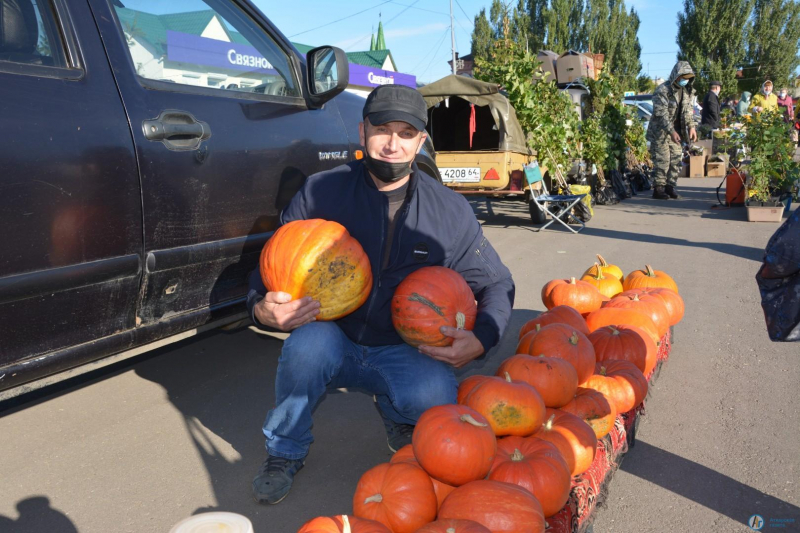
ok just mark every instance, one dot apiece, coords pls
pixel 328 74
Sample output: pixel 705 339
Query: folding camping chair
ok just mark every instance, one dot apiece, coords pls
pixel 555 205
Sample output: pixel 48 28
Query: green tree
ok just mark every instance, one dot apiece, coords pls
pixel 625 61
pixel 482 36
pixel 645 84
pixel 711 37
pixel 520 25
pixel 772 48
pixel 537 17
pixel 560 26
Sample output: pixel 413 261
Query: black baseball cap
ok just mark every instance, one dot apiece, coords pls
pixel 390 103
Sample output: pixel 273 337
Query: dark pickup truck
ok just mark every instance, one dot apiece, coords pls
pixel 147 150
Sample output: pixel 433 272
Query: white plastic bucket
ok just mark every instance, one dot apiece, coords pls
pixel 216 522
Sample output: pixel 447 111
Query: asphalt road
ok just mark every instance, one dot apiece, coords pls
pixel 178 432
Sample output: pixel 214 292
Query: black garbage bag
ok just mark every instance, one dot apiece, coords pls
pixel 779 282
pixel 605 195
pixel 640 180
pixel 621 186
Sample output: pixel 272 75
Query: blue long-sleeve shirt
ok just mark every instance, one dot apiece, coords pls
pixel 436 228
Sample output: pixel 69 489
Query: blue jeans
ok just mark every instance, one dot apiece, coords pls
pixel 319 356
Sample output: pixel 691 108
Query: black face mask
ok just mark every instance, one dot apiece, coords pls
pixel 385 171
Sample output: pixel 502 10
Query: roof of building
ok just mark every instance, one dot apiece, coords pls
pixel 373 58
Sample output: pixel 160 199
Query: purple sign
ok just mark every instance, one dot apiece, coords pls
pixel 373 77
pixel 187 48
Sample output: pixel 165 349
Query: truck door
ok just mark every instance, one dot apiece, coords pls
pixel 70 209
pixel 223 137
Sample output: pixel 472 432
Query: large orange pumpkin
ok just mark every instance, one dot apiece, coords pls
pixel 320 259
pixel 573 437
pixel 595 409
pixel 621 382
pixel 622 343
pixel 651 305
pixel 500 507
pixel 672 300
pixel 399 496
pixel 610 316
pixel 605 268
pixel 580 295
pixel 560 314
pixel 406 455
pixel 511 407
pixel 342 524
pixel 428 299
pixel 649 279
pixel 607 284
pixel 562 342
pixel 554 379
pixel 535 465
pixel 453 525
pixel 454 444
pixel 466 386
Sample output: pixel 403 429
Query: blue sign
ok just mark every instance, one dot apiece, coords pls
pixel 187 48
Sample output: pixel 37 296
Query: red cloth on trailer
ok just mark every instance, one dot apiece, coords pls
pixel 472 126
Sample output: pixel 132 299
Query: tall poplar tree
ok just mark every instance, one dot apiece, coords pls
pixel 712 38
pixel 482 36
pixel 772 48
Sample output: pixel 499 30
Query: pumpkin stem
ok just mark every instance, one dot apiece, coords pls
pixel 602 371
pixel 461 320
pixel 424 301
pixel 549 424
pixel 572 281
pixel 650 271
pixel 574 339
pixel 517 456
pixel 538 327
pixel 599 275
pixel 603 262
pixel 450 530
pixel 466 417
pixel 507 376
pixel 377 498
pixel 346 524
pixel 636 297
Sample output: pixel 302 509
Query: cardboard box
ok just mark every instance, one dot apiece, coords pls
pixel 684 171
pixel 548 59
pixel 715 169
pixel 707 144
pixel 573 65
pixel 697 166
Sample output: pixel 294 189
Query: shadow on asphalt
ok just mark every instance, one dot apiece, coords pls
pixel 225 396
pixel 709 488
pixel 35 516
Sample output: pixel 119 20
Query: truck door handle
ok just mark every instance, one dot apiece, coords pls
pixel 177 130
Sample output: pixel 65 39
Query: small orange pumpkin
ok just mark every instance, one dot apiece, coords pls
pixel 621 382
pixel 561 341
pixel 535 465
pixel 453 525
pixel 607 284
pixel 556 380
pixel 406 455
pixel 428 299
pixel 595 409
pixel 573 437
pixel 399 496
pixel 618 317
pixel 621 343
pixel 672 300
pixel 342 524
pixel 651 305
pixel 605 268
pixel 500 507
pixel 649 279
pixel 560 314
pixel 511 407
pixel 580 295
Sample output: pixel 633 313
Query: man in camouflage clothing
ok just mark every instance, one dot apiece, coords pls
pixel 672 120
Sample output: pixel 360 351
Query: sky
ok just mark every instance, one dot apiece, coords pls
pixel 419 36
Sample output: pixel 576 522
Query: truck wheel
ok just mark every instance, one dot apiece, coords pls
pixel 538 216
pixel 427 165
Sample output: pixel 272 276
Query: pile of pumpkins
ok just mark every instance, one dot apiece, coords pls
pixel 502 458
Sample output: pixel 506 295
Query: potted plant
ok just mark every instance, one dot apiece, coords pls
pixel 772 170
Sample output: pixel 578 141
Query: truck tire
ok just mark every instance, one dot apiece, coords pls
pixel 427 165
pixel 538 216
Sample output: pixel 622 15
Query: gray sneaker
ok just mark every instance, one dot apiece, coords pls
pixel 274 479
pixel 397 435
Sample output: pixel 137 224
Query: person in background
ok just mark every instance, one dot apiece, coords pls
pixel 765 100
pixel 786 104
pixel 672 119
pixel 742 108
pixel 711 109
